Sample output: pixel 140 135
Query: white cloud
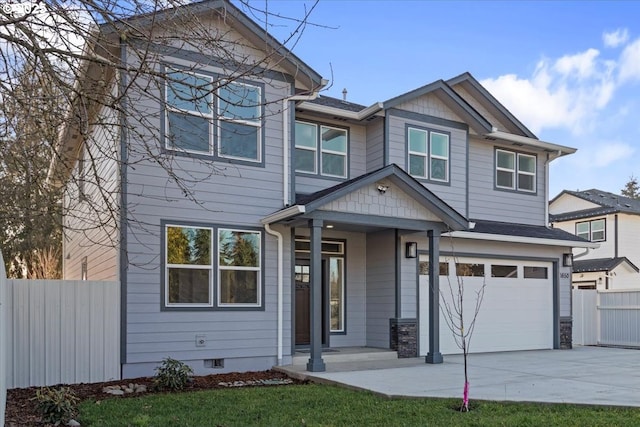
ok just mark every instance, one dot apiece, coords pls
pixel 605 154
pixel 629 66
pixel 582 65
pixel 565 93
pixel 615 38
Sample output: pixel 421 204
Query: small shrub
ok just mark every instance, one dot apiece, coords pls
pixel 56 406
pixel 172 374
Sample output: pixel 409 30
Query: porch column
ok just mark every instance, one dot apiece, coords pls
pixel 316 364
pixel 434 355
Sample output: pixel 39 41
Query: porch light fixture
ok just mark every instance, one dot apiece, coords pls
pixel 411 250
pixel 567 260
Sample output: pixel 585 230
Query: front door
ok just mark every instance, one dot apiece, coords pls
pixel 303 302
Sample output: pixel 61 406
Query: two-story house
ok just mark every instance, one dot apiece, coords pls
pixel 256 217
pixel 612 221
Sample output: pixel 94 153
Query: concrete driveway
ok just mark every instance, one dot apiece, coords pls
pixel 590 375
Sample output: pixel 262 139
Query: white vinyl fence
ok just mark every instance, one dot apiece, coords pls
pixel 61 332
pixel 606 317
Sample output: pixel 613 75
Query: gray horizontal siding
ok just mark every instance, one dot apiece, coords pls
pixel 486 202
pixel 233 195
pixel 381 294
pixel 453 192
pixel 375 145
pixel 357 163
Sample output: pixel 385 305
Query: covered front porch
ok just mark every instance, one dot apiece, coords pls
pixel 368 217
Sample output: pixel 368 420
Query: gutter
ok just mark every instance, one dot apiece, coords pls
pixel 520 239
pixel 360 115
pixel 561 150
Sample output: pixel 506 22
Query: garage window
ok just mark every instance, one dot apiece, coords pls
pixel 504 271
pixel 469 270
pixel 424 268
pixel 535 272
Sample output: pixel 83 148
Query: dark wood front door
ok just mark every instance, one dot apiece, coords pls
pixel 303 303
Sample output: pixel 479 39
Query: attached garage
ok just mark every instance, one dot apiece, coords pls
pixel 516 312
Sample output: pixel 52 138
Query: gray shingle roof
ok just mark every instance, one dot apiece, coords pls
pixel 329 101
pixel 608 203
pixel 599 264
pixel 523 230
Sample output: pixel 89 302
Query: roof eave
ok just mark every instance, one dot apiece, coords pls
pixel 556 149
pixel 522 239
pixel 338 112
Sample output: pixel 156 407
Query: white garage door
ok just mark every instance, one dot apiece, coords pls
pixel 516 312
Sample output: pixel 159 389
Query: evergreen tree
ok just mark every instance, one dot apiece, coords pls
pixel 631 188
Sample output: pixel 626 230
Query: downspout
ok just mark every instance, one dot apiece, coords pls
pixel 285 203
pixel 280 280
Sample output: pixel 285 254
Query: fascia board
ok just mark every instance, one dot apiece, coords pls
pixel 521 239
pixel 549 146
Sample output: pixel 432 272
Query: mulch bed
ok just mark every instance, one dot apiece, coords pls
pixel 21 410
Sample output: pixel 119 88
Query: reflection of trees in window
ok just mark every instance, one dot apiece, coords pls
pixel 239 263
pixel 470 270
pixel 188 265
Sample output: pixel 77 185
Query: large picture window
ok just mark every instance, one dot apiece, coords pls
pixel 321 148
pixel 428 154
pixel 515 171
pixel 196 112
pixel 193 275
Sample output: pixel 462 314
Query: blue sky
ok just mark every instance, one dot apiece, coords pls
pixel 570 71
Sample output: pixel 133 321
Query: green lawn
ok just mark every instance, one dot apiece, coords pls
pixel 324 405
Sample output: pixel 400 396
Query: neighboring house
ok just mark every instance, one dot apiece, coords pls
pixel 612 221
pixel 317 230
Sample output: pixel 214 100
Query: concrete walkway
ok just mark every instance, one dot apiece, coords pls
pixel 590 375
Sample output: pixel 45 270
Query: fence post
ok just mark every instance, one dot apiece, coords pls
pixel 3 339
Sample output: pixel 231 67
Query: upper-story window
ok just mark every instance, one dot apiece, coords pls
pixel 321 148
pixel 515 171
pixel 428 154
pixel 593 231
pixel 222 122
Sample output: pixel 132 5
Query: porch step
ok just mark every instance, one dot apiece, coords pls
pixel 347 354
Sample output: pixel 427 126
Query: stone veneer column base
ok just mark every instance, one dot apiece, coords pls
pixel 403 337
pixel 566 331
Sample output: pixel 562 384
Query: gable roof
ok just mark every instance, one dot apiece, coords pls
pixel 608 203
pixel 332 102
pixel 306 204
pixel 95 71
pixel 451 98
pixel 601 264
pixel 494 106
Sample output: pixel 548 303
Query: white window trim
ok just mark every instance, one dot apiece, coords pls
pixel 315 149
pixel 339 153
pixel 590 230
pixel 533 174
pixel 258 302
pixel 169 108
pixel 424 155
pixel 186 266
pixel 503 169
pixel 257 123
pixel 428 155
pixel 438 157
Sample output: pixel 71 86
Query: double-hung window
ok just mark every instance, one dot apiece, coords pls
pixel 239 113
pixel 515 171
pixel 593 231
pixel 207 264
pixel 224 122
pixel 321 148
pixel 428 154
